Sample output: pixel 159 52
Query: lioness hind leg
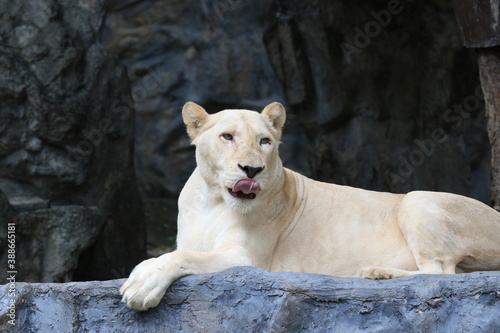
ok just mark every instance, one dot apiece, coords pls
pixel 403 264
pixel 408 262
pixel 426 267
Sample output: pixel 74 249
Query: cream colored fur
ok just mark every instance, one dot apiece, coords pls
pixel 301 225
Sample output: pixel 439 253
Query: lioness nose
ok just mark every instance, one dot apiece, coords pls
pixel 251 171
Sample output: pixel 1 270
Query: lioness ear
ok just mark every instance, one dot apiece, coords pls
pixel 194 117
pixel 277 114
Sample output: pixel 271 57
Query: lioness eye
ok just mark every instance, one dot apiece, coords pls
pixel 265 141
pixel 227 136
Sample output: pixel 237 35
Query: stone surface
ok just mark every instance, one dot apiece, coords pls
pixel 478 23
pixel 29 203
pixel 50 241
pixel 66 145
pixel 489 65
pixel 398 110
pixel 253 300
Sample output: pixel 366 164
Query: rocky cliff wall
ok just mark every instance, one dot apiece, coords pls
pixel 381 94
pixel 67 180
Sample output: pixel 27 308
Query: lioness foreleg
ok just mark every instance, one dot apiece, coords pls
pixel 150 279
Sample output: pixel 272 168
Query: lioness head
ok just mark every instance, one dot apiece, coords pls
pixel 236 150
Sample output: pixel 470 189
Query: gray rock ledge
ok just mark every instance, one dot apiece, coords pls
pixel 245 299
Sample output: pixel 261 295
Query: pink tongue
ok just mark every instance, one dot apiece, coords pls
pixel 246 186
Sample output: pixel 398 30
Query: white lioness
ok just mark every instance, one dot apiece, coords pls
pixel 241 207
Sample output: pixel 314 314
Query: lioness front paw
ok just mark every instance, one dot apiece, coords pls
pixel 145 286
